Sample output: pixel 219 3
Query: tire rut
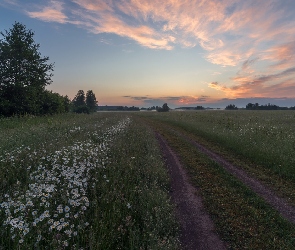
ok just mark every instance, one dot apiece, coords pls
pixel 197 229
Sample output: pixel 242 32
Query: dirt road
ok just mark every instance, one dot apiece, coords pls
pixel 197 229
pixel 287 211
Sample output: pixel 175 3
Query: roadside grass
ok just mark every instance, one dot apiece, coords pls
pixel 83 182
pixel 241 217
pixel 261 142
pixel 135 209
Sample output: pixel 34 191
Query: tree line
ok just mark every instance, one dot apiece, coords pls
pixel 24 74
pixel 256 106
pixel 164 108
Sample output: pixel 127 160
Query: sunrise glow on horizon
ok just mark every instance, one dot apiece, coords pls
pixel 185 53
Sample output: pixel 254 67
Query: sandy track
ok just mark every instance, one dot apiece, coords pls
pixel 197 229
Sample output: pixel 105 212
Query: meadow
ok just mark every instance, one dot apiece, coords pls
pixel 77 181
pixel 83 182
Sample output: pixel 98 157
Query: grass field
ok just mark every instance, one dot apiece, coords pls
pixel 98 181
pixel 83 182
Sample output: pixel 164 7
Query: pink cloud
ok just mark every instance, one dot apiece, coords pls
pixel 229 31
pixel 192 100
pixel 190 19
pixel 217 86
pixel 279 84
pixel 143 34
pixel 285 88
pixel 282 55
pixel 52 13
pixel 225 58
pixel 94 5
pixel 176 100
pixel 243 90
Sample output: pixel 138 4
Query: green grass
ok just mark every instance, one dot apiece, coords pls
pixel 100 181
pixel 262 142
pixel 83 181
pixel 241 217
pixel 140 180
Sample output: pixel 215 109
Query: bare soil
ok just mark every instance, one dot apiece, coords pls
pixel 197 229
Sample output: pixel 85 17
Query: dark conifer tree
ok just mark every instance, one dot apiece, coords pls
pixel 79 104
pixel 91 101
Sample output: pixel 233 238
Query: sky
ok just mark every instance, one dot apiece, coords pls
pixel 149 52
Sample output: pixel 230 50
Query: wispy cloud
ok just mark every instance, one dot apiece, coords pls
pixel 94 6
pixel 282 84
pixel 175 100
pixel 217 86
pixel 227 29
pixel 224 58
pixel 137 98
pixel 246 64
pixel 283 55
pixel 51 13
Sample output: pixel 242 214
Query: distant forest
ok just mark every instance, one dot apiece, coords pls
pixel 256 106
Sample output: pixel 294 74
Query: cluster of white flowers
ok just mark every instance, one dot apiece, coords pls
pixel 55 200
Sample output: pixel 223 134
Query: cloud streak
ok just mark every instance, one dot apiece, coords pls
pixel 51 13
pixel 272 85
pixel 229 30
pixel 175 100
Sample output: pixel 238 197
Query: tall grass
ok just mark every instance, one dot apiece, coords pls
pixel 82 181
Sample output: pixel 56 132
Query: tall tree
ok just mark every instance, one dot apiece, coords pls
pixel 24 73
pixel 79 99
pixel 164 108
pixel 91 101
pixel 79 104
